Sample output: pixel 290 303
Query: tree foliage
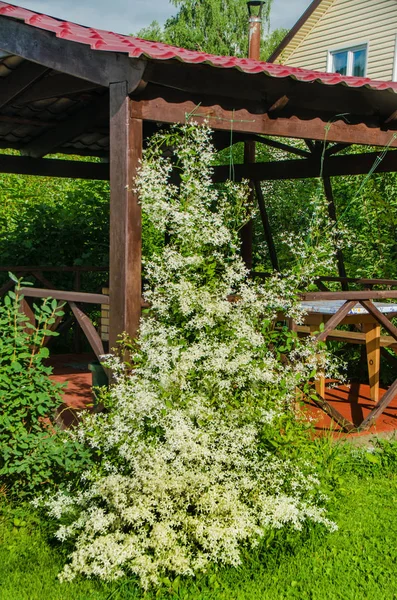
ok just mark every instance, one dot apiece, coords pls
pixel 214 26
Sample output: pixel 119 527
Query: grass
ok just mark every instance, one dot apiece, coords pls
pixel 356 562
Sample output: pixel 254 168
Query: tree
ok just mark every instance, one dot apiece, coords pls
pixel 213 26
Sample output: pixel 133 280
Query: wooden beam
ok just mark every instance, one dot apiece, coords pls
pixel 126 138
pixel 55 86
pixel 73 126
pixel 46 167
pixel 72 58
pixel 273 144
pixel 266 226
pixel 20 79
pixel 351 164
pixel 241 120
pixel 380 407
pixel 336 319
pixel 335 148
pixel 83 297
pixel 358 296
pixel 91 333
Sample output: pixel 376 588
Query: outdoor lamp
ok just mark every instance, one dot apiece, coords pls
pixel 253 4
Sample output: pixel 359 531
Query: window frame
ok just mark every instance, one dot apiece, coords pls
pixel 350 51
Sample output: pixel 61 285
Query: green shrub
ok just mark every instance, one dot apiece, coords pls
pixel 32 448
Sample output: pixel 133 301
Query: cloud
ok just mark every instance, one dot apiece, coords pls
pixel 122 16
pixel 128 16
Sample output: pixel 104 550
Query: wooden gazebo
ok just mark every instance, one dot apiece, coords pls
pixel 70 89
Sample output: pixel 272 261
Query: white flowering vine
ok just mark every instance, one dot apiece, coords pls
pixel 183 477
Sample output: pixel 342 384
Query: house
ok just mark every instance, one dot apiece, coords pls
pixel 350 37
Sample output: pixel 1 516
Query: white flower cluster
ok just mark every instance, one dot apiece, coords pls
pixel 184 478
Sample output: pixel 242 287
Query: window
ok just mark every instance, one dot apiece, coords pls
pixel 349 61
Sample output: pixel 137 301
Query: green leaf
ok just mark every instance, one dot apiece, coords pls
pixel 13 277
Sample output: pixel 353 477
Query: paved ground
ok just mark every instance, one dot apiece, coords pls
pixel 352 401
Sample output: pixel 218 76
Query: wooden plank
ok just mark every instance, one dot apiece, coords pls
pixel 241 120
pixel 372 344
pixel 369 295
pixel 381 318
pixel 333 413
pixel 55 86
pixel 336 319
pixel 350 337
pixel 63 131
pixel 23 76
pixel 362 281
pixel 380 407
pixel 89 330
pixel 74 169
pixel 65 296
pixel 351 164
pixel 68 57
pixel 126 138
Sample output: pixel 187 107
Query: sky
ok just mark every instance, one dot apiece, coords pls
pixel 129 16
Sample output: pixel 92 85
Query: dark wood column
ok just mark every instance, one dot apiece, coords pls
pixel 125 216
pixel 247 231
pixel 332 214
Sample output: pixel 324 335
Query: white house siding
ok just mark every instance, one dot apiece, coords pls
pixel 348 23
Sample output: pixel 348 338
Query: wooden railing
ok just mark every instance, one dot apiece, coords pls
pixel 74 317
pixel 39 274
pixel 72 299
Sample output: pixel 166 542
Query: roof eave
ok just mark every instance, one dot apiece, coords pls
pixel 291 34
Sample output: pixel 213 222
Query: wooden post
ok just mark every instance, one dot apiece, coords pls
pixel 266 226
pixel 254 46
pixel 125 216
pixel 372 343
pixel 247 231
pixel 332 213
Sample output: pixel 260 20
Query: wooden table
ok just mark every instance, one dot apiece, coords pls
pixel 333 313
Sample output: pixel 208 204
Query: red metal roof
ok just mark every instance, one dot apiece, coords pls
pixel 99 39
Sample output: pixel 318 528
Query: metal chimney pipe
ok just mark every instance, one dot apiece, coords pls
pixel 255 8
pixel 255 28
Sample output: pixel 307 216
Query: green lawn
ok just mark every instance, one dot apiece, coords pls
pixel 356 562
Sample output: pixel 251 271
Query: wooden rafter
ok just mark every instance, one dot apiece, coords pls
pixel 19 80
pixel 55 86
pixel 45 167
pixel 352 164
pixel 66 130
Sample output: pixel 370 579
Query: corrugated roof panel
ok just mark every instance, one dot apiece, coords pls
pixel 135 47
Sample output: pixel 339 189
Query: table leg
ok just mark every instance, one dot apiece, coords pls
pixel 372 344
pixel 320 381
